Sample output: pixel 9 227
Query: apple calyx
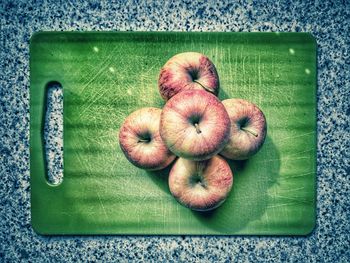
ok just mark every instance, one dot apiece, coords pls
pixel 145 137
pixel 144 140
pixel 197 128
pixel 250 131
pixel 197 180
pixel 204 87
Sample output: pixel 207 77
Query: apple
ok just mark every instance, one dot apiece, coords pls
pixel 201 186
pixel 140 141
pixel 195 125
pixel 188 71
pixel 248 129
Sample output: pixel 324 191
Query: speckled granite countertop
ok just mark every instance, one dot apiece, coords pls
pixel 327 21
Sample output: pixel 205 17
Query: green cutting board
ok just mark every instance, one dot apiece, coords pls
pixel 106 76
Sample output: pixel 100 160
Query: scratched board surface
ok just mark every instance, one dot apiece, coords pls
pixel 106 76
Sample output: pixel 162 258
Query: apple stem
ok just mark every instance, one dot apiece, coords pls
pixel 204 87
pixel 143 140
pixel 197 128
pixel 251 132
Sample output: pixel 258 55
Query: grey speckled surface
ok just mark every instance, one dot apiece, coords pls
pixel 327 21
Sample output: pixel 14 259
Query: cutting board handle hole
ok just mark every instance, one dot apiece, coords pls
pixel 53 133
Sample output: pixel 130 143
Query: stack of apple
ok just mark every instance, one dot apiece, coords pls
pixel 195 126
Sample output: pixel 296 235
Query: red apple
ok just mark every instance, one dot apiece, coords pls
pixel 201 186
pixel 195 125
pixel 248 129
pixel 140 140
pixel 188 71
